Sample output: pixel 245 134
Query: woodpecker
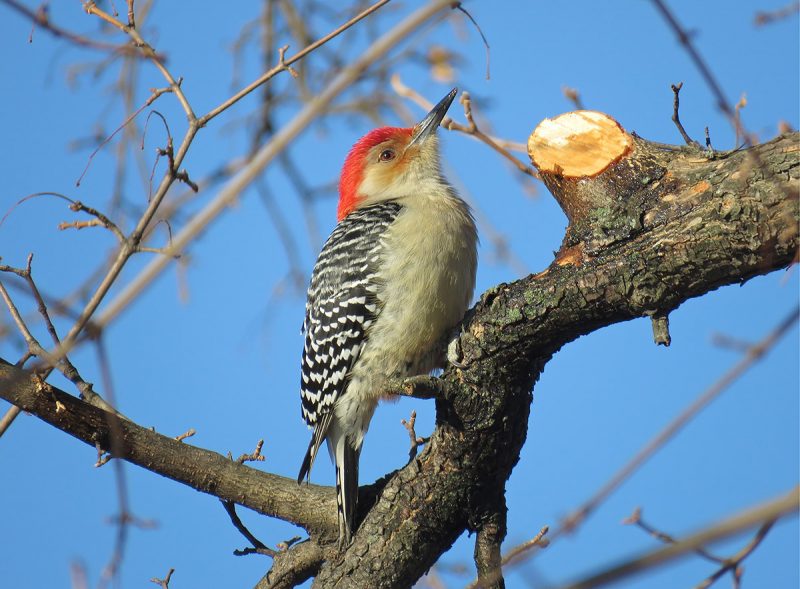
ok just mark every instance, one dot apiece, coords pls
pixel 392 281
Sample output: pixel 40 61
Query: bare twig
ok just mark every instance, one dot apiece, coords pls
pixel 41 18
pixel 480 32
pixel 255 456
pixel 8 418
pixel 540 540
pixel 131 16
pixel 755 353
pixel 412 435
pixel 155 94
pixel 163 583
pixel 147 51
pixel 676 101
pixel 74 205
pixel 125 517
pixel 284 64
pixel 187 434
pixel 685 39
pixel 733 563
pixel 636 519
pixel 293 566
pixel 258 546
pixel 752 356
pixel 266 154
pixel 730 564
pixel 762 18
pixel 573 96
pixel 33 344
pixel 757 516
pixel 36 349
pixel 726 341
pixel 738 114
pixel 501 146
pixel 79 224
pixel 709 148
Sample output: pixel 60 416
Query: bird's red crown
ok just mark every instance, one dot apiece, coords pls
pixel 353 170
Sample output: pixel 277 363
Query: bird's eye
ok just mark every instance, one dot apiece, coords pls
pixel 387 155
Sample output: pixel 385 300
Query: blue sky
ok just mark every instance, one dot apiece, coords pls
pixel 224 358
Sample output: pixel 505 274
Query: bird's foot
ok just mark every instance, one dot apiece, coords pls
pixel 454 352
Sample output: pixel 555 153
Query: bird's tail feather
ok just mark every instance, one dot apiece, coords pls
pixel 346 458
pixel 320 432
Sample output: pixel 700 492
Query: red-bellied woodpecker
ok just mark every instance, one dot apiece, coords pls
pixel 392 281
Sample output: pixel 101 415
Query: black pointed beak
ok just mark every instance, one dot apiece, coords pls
pixel 427 126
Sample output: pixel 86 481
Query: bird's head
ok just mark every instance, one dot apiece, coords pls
pixel 392 162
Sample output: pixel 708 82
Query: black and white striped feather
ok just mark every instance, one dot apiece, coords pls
pixel 341 306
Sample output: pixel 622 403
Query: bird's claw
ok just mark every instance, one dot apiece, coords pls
pixel 454 354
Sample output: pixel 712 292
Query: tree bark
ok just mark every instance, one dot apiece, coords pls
pixel 656 226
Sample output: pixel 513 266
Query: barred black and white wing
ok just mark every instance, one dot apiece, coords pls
pixel 340 308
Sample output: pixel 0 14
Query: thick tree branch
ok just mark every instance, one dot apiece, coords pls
pixel 293 566
pixel 490 536
pixel 658 226
pixel 310 506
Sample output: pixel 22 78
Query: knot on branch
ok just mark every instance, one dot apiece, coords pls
pixel 600 174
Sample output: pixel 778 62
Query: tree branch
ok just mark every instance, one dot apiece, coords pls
pixel 677 227
pixel 763 514
pixel 310 506
pixel 651 229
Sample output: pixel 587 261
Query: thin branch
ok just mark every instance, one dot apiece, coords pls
pixel 155 94
pixel 230 509
pixel 33 344
pixel 753 355
pixel 131 16
pixel 254 456
pixel 125 517
pixel 540 540
pixel 732 564
pixel 412 435
pixel 36 349
pixel 129 246
pixel 738 114
pixel 636 519
pixel 41 18
pixel 762 18
pixel 480 32
pixel 760 515
pixel 573 96
pixel 728 564
pixel 187 434
pixel 311 506
pixel 8 418
pixel 502 146
pixel 284 64
pixel 76 206
pixel 266 154
pixel 163 583
pixel 91 8
pixel 731 343
pixel 676 101
pixel 705 71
